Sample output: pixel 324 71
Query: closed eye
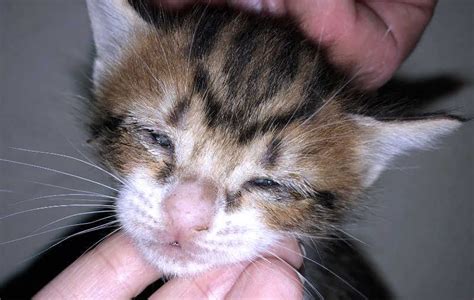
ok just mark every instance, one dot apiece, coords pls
pixel 263 183
pixel 162 140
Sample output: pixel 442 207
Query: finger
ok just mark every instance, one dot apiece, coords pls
pixel 214 284
pixel 372 37
pixel 273 276
pixel 219 282
pixel 267 279
pixel 286 250
pixel 113 270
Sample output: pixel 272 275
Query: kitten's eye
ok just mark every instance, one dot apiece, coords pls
pixel 162 140
pixel 264 183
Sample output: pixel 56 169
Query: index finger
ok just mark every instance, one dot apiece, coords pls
pixel 113 270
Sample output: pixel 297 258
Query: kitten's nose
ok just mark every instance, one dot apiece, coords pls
pixel 189 209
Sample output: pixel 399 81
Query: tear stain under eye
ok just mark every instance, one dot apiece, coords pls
pixel 326 198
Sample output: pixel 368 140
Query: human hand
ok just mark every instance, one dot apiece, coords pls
pixel 368 38
pixel 115 270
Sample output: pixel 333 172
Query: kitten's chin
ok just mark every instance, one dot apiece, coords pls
pixel 178 262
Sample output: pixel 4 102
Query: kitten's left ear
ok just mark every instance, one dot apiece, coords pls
pixel 114 22
pixel 384 140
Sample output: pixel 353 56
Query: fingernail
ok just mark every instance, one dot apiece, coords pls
pixel 274 7
pixel 254 5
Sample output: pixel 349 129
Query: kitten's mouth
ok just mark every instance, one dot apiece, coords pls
pixel 175 244
pixel 176 251
pixel 175 258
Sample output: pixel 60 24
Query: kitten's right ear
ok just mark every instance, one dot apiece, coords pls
pixel 114 22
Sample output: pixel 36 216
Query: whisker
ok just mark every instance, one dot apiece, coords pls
pixel 63 195
pixel 100 227
pixel 64 188
pixel 352 237
pixel 76 215
pixel 311 243
pixel 54 206
pixel 164 53
pixel 319 237
pixel 66 200
pixel 193 39
pixel 72 158
pixel 119 178
pixel 299 275
pixel 100 240
pixel 6 191
pixel 334 238
pixel 48 231
pixel 58 172
pixel 77 149
pixel 327 269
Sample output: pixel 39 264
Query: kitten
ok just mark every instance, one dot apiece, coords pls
pixel 230 131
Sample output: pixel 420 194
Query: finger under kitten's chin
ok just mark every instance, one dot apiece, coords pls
pixel 288 250
pixel 182 265
pixel 244 278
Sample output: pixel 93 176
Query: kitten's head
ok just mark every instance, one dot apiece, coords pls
pixel 230 133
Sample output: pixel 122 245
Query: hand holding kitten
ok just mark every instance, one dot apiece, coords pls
pixel 370 39
pixel 115 270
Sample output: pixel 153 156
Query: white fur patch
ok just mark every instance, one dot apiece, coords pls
pixel 232 237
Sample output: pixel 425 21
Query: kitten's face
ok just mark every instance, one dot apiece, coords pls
pixel 230 134
pixel 260 185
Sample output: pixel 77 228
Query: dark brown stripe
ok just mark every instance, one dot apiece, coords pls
pixel 212 107
pixel 281 61
pixel 165 171
pixel 178 112
pixel 272 153
pixel 325 198
pixel 211 21
pixel 323 84
pixel 107 123
pixel 201 79
pixel 154 14
pixel 240 54
pixel 248 133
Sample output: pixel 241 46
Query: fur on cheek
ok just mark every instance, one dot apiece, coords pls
pixel 139 202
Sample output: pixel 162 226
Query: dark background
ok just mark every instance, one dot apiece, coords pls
pixel 418 227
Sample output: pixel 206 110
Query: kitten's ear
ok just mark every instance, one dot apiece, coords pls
pixel 113 24
pixel 384 140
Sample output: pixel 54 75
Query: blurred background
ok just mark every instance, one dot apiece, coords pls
pixel 419 225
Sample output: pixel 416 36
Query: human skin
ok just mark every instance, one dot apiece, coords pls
pixel 368 39
pixel 115 270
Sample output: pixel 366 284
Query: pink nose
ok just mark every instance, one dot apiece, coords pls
pixel 189 209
